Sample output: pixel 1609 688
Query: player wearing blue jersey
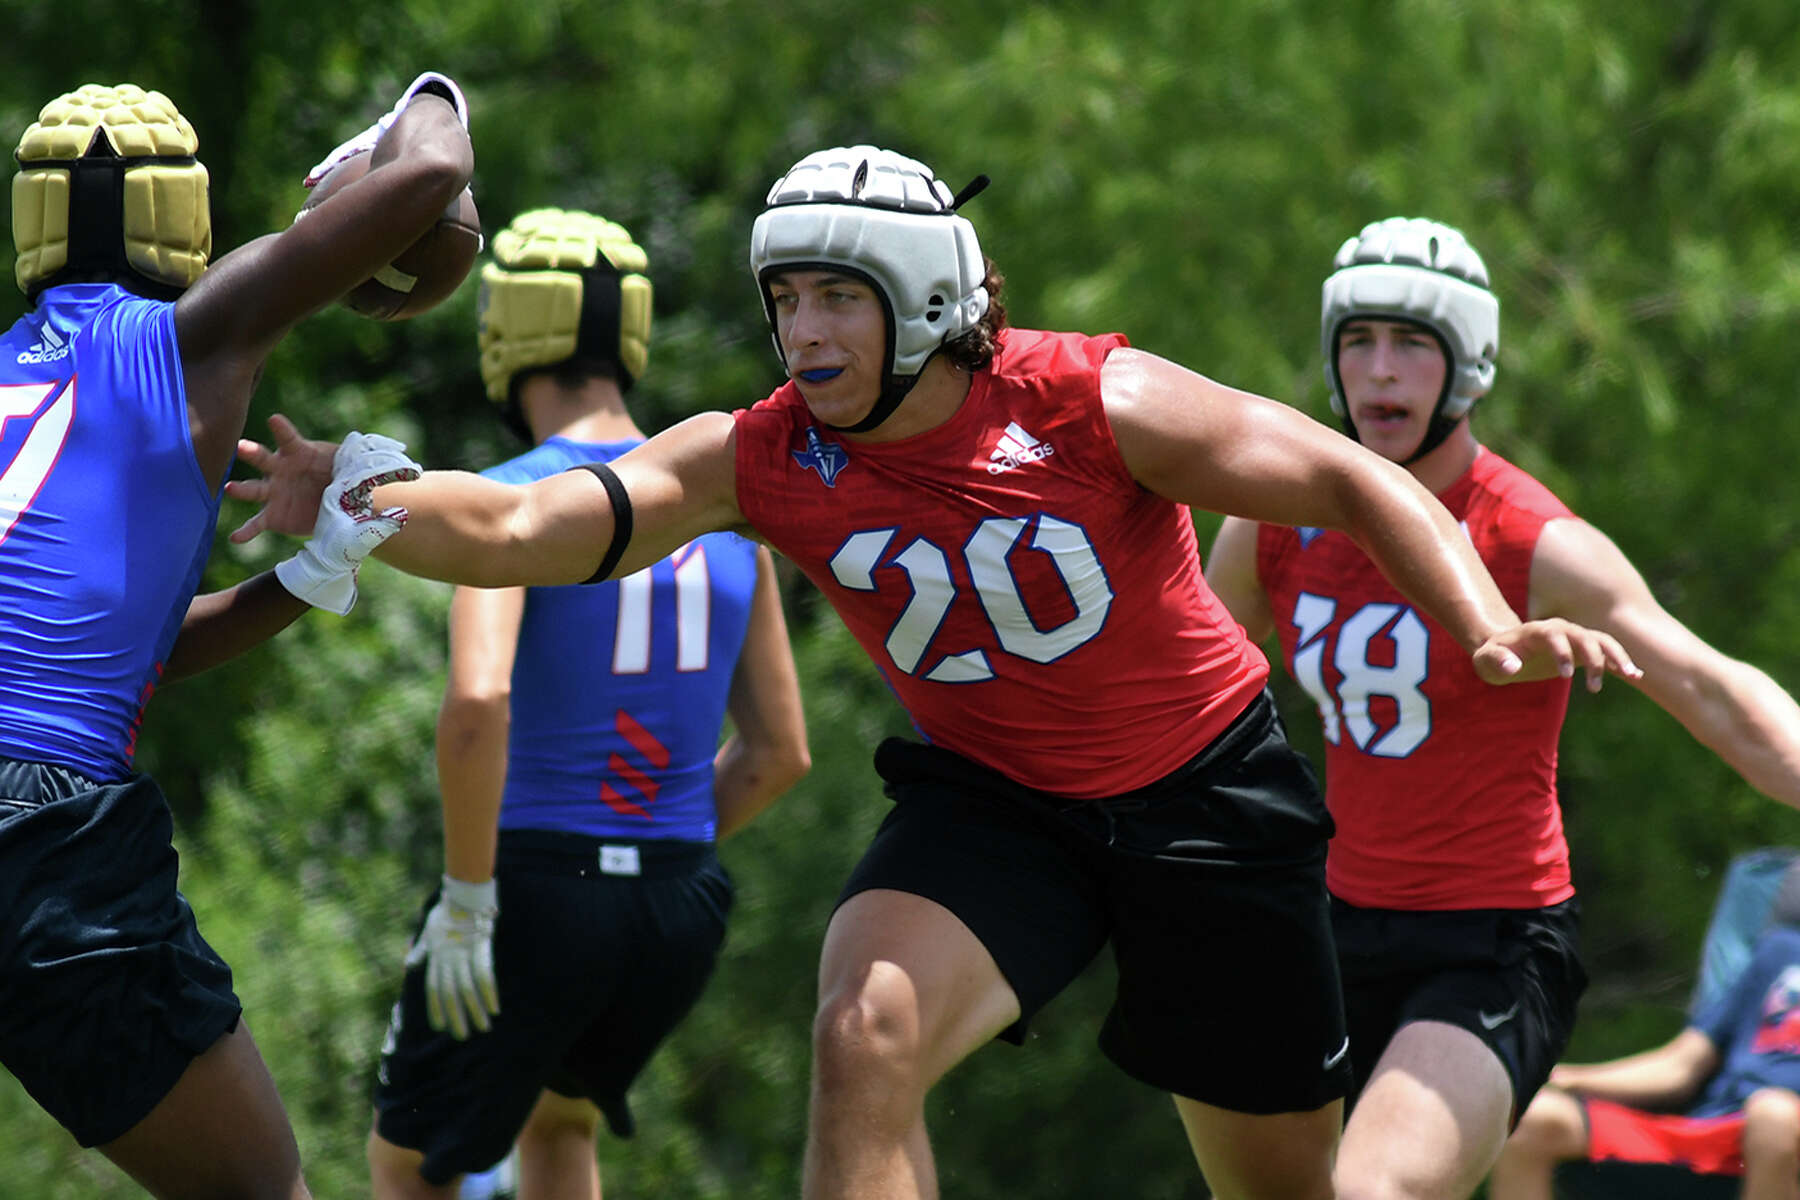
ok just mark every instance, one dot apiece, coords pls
pixel 1720 1098
pixel 582 776
pixel 123 393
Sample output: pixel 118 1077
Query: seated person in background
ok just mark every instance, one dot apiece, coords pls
pixel 1719 1098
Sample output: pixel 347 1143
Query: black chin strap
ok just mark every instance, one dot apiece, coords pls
pixel 892 393
pixel 1435 433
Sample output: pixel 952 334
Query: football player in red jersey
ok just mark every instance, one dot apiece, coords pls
pixel 1451 901
pixel 1000 516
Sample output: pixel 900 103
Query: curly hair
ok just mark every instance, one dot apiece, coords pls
pixel 975 349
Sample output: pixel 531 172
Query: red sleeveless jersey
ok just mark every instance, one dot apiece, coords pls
pixel 1030 604
pixel 1443 787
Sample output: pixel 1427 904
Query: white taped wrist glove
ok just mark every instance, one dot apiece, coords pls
pixel 431 81
pixel 348 528
pixel 457 948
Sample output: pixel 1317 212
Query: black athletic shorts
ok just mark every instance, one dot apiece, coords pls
pixel 594 969
pixel 1209 886
pixel 108 989
pixel 1511 977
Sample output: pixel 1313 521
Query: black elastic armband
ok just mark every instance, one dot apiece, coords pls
pixel 621 506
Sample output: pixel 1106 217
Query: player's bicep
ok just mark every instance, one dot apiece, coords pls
pixel 1694 1054
pixel 1578 573
pixel 1198 442
pixel 248 299
pixel 679 484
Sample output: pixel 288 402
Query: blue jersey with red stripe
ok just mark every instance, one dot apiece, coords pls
pixel 619 688
pixel 105 523
pixel 1756 1026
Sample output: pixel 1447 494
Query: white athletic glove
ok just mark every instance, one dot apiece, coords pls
pixel 457 948
pixel 432 81
pixel 323 573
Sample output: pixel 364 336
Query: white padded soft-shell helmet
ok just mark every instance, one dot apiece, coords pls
pixel 886 218
pixel 1411 269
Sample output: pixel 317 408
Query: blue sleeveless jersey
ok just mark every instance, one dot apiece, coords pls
pixel 619 688
pixel 105 523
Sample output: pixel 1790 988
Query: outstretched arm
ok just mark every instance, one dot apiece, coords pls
pixel 224 624
pixel 1198 442
pixel 1730 706
pixel 1666 1077
pixel 767 752
pixel 464 529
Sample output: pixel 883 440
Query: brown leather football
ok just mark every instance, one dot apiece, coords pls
pixel 426 272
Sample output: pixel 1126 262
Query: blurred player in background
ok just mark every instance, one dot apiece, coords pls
pixel 1000 516
pixel 1720 1098
pixel 123 393
pixel 583 724
pixel 1452 905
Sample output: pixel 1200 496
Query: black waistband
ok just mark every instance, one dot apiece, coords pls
pixel 34 783
pixel 900 760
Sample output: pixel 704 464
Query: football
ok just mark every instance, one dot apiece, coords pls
pixel 426 272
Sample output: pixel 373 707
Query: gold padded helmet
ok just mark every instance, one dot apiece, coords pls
pixel 562 283
pixel 108 185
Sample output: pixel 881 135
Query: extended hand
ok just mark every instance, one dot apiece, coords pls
pixel 457 948
pixel 347 528
pixel 1551 648
pixel 296 473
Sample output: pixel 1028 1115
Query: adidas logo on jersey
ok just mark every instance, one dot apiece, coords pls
pixel 1016 448
pixel 49 347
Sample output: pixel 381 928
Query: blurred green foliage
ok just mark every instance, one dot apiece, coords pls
pixel 1181 172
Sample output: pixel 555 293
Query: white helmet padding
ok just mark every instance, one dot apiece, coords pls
pixel 1411 269
pixel 887 218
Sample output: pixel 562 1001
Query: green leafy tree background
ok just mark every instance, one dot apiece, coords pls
pixel 1181 172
